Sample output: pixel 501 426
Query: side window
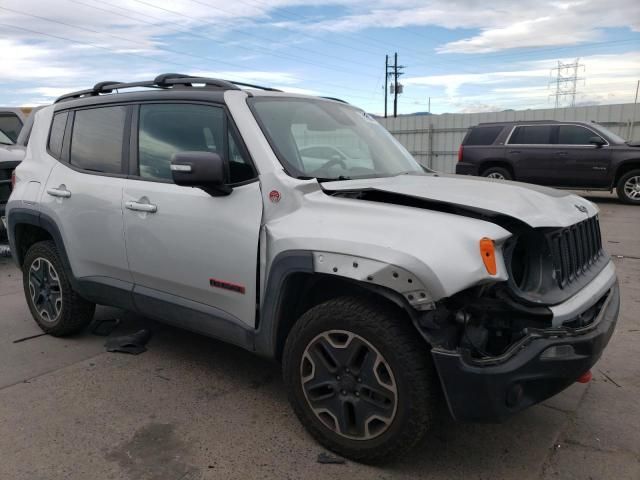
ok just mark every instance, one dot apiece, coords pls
pixel 531 135
pixel 165 129
pixel 57 133
pixel 574 135
pixel 96 141
pixel 10 125
pixel 483 135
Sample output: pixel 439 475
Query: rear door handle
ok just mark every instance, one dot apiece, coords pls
pixel 514 151
pixel 141 207
pixel 562 154
pixel 60 192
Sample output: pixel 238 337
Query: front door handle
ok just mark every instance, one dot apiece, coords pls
pixel 141 207
pixel 60 192
pixel 562 154
pixel 514 151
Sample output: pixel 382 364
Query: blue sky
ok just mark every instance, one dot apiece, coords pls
pixel 467 55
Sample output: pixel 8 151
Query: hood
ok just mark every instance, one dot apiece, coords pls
pixel 534 205
pixel 11 153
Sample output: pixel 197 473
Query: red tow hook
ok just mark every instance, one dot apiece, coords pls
pixel 585 377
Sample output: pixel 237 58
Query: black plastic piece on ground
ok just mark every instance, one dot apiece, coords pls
pixel 104 328
pixel 330 459
pixel 133 344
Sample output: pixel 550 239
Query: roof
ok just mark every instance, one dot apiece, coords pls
pixel 175 82
pixel 532 122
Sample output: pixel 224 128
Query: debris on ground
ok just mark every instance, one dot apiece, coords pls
pixel 104 328
pixel 24 339
pixel 330 459
pixel 133 344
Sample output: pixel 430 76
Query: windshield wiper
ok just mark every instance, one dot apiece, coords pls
pixel 322 179
pixel 341 177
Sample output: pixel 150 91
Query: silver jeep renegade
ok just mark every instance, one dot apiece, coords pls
pixel 298 228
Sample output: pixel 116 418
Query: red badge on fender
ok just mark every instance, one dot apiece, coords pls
pixel 274 196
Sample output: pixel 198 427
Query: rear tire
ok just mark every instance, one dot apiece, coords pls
pixel 56 308
pixel 628 187
pixel 360 379
pixel 498 173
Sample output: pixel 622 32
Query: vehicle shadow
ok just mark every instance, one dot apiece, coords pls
pixel 450 449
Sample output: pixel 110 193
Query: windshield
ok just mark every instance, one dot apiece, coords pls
pixel 4 139
pixel 613 138
pixel 330 141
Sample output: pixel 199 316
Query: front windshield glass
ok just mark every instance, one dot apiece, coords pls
pixel 613 138
pixel 329 140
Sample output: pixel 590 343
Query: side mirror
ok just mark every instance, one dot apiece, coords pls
pixel 597 141
pixel 204 170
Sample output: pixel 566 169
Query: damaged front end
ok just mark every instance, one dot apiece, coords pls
pixel 500 348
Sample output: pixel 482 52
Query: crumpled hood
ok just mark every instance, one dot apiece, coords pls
pixel 535 205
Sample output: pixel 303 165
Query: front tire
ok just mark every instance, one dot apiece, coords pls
pixel 628 187
pixel 360 378
pixel 497 173
pixel 56 308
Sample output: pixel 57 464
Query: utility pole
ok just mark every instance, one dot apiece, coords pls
pixel 566 81
pixel 394 71
pixel 386 83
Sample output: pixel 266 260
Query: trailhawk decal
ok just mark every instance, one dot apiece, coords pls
pixel 234 287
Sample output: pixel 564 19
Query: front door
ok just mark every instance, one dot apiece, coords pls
pixel 183 245
pixel 581 163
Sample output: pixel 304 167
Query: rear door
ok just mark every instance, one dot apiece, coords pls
pixel 531 151
pixel 581 163
pixel 83 194
pixel 186 247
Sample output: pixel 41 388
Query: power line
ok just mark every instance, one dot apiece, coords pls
pixel 188 66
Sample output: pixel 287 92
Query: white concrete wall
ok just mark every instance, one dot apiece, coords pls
pixel 434 139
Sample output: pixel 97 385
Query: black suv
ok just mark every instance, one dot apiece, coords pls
pixel 576 155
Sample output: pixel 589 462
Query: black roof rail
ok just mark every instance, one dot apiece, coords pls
pixel 163 81
pixel 522 121
pixel 336 99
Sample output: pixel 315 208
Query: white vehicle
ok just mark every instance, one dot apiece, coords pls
pixel 377 286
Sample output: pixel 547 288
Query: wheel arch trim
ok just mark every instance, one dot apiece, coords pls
pixel 291 262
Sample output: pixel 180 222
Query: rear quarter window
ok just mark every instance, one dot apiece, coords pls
pixel 57 134
pixel 483 135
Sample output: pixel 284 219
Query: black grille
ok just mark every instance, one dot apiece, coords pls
pixel 575 249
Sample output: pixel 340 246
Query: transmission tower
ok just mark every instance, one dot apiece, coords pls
pixel 566 81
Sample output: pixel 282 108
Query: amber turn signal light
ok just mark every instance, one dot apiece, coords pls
pixel 488 252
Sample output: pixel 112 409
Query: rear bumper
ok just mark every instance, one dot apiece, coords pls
pixel 524 377
pixel 463 168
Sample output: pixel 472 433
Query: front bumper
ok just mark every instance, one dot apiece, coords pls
pixel 524 376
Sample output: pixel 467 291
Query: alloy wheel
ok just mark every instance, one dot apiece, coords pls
pixel 349 385
pixel 632 188
pixel 496 175
pixel 45 289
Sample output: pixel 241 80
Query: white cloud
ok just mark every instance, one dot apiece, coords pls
pixel 503 24
pixel 607 79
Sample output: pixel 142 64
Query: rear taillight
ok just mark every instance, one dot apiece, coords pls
pixel 460 153
pixel 13 179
